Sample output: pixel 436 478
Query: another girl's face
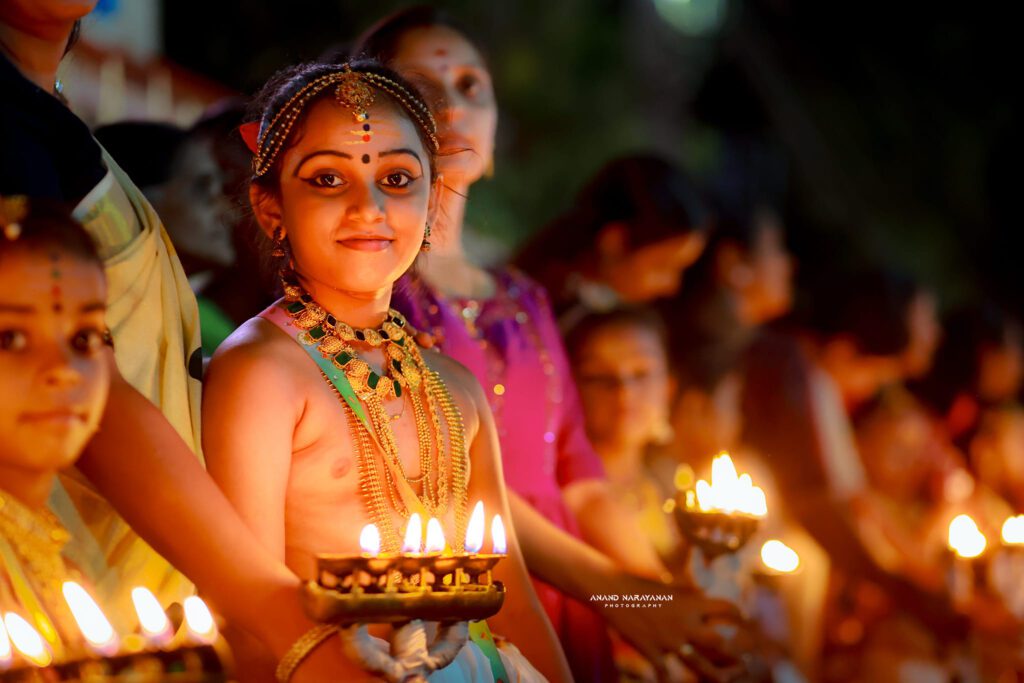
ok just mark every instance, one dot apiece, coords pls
pixel 654 270
pixel 622 374
pixel 354 212
pixel 54 375
pixel 1001 368
pixel 467 117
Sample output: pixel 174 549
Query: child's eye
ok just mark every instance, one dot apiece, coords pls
pixel 87 341
pixel 326 180
pixel 469 86
pixel 13 340
pixel 397 180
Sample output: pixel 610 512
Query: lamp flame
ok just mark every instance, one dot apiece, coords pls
pixel 369 540
pixel 475 529
pixel 156 627
pixel 729 492
pixel 413 542
pixel 965 539
pixel 199 620
pixel 26 640
pixel 90 619
pixel 1013 530
pixel 435 536
pixel 499 545
pixel 6 654
pixel 779 557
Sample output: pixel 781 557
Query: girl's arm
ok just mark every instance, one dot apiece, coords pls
pixel 141 465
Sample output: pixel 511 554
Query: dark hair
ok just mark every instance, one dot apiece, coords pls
pixel 653 196
pixel 48 224
pixel 628 316
pixel 380 41
pixel 144 149
pixel 695 306
pixel 967 332
pixel 74 36
pixel 283 85
pixel 870 306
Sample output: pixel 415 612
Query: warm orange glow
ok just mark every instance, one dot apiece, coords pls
pixel 90 619
pixel 475 529
pixel 499 546
pixel 729 492
pixel 156 627
pixel 369 540
pixel 6 654
pixel 26 640
pixel 779 557
pixel 435 537
pixel 1013 530
pixel 965 538
pixel 413 542
pixel 199 620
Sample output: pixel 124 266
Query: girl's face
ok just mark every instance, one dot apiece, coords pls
pixel 623 379
pixel 54 375
pixel 652 271
pixel 1001 368
pixel 354 212
pixel 36 16
pixel 442 60
pixel 896 448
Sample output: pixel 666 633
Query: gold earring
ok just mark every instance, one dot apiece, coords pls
pixel 278 250
pixel 425 247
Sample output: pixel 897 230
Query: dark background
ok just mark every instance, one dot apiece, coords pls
pixel 887 132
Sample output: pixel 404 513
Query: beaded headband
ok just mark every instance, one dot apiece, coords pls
pixel 12 211
pixel 354 90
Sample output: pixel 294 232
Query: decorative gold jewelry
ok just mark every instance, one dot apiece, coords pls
pixel 406 375
pixel 426 239
pixel 12 211
pixel 30 556
pixel 354 91
pixel 278 239
pixel 302 648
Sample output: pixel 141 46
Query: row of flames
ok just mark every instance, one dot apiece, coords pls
pixel 967 540
pixel 18 636
pixel 415 543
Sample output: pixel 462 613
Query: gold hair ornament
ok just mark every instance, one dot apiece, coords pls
pixel 354 91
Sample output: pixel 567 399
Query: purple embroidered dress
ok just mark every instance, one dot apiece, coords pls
pixel 512 344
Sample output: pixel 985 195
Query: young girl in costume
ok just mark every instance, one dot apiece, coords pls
pixel 54 380
pixel 142 463
pixel 323 414
pixel 500 325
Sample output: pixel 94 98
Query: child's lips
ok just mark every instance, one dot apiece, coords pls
pixel 368 243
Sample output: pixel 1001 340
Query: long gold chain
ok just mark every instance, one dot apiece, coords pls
pixel 406 376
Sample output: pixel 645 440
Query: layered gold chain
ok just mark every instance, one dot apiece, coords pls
pixel 405 376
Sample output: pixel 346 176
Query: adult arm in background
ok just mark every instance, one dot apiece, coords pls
pixel 143 467
pixel 582 572
pixel 523 620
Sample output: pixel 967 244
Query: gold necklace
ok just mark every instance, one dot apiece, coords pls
pixel 36 540
pixel 405 376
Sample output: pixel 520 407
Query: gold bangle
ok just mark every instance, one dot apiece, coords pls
pixel 302 649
